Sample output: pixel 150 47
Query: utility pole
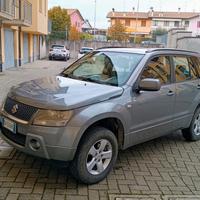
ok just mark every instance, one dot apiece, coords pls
pixel 19 33
pixel 1 60
pixel 95 18
pixel 136 23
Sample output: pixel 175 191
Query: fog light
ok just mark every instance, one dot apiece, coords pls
pixel 34 144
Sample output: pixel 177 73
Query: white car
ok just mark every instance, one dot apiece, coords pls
pixel 59 52
pixel 84 50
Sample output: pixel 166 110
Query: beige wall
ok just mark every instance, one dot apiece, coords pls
pixel 132 27
pixel 39 17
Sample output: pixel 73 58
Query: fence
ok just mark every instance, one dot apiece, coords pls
pixel 189 43
pixel 75 46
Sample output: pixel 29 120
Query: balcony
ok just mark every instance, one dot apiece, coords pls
pixel 22 13
pixel 7 9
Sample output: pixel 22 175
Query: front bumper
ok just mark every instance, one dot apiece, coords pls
pixel 54 143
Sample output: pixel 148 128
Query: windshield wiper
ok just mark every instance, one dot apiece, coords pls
pixel 89 79
pixel 96 81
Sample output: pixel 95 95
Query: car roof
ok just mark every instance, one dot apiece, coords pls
pixel 146 50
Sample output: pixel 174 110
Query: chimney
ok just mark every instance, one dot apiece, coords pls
pixel 133 10
pixel 113 12
pixel 151 11
pixel 179 10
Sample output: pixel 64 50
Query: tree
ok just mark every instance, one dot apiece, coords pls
pixel 60 22
pixel 74 34
pixel 86 36
pixel 158 31
pixel 117 32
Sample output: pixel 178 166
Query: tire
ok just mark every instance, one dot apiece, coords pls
pixel 193 132
pixel 93 141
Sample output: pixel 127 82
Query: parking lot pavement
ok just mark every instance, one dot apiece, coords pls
pixel 158 169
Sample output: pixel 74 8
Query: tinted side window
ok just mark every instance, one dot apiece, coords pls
pixel 158 68
pixel 196 63
pixel 193 68
pixel 183 69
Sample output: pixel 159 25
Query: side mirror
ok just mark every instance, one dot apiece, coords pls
pixel 150 84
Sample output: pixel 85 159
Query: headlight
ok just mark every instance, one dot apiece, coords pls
pixel 52 118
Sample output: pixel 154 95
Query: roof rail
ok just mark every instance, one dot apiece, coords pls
pixel 111 47
pixel 171 49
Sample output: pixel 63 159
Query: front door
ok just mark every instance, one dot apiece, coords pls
pixel 152 111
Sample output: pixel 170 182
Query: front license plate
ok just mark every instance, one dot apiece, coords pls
pixel 8 124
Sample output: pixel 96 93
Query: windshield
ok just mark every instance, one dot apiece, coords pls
pixel 110 68
pixel 57 47
pixel 85 50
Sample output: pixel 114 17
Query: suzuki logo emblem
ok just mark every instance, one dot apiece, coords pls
pixel 15 109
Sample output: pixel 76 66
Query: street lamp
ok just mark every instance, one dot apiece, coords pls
pixel 136 23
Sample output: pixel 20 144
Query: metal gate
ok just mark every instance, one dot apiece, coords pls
pixel 26 52
pixel 9 49
pixel 35 48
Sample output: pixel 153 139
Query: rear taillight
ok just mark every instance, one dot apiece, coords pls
pixel 51 49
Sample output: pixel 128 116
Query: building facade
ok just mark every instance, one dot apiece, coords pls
pixel 194 26
pixel 76 19
pixel 24 25
pixel 143 23
pixel 136 23
pixel 170 20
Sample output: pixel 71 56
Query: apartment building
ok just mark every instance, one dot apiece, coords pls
pixel 24 25
pixel 143 23
pixel 137 23
pixel 169 20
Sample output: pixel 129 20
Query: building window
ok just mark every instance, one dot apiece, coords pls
pixel 166 23
pixel 176 23
pixel 127 22
pixel 143 23
pixel 198 24
pixel 187 23
pixel 155 23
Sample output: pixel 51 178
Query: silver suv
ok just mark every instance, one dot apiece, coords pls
pixel 110 99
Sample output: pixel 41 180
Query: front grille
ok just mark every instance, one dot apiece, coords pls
pixel 24 112
pixel 16 138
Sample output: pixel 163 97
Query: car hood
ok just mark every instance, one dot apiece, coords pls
pixel 60 93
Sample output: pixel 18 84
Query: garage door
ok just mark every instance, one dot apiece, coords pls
pixel 9 49
pixel 26 59
pixel 35 48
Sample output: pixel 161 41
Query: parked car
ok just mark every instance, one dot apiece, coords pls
pixel 108 100
pixel 59 52
pixel 84 50
pixel 151 43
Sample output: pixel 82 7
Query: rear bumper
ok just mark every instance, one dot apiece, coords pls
pixel 58 56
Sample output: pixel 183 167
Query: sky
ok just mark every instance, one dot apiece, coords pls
pixel 87 7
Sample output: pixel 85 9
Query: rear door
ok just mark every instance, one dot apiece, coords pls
pixel 187 90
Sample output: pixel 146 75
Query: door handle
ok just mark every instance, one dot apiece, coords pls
pixel 170 93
